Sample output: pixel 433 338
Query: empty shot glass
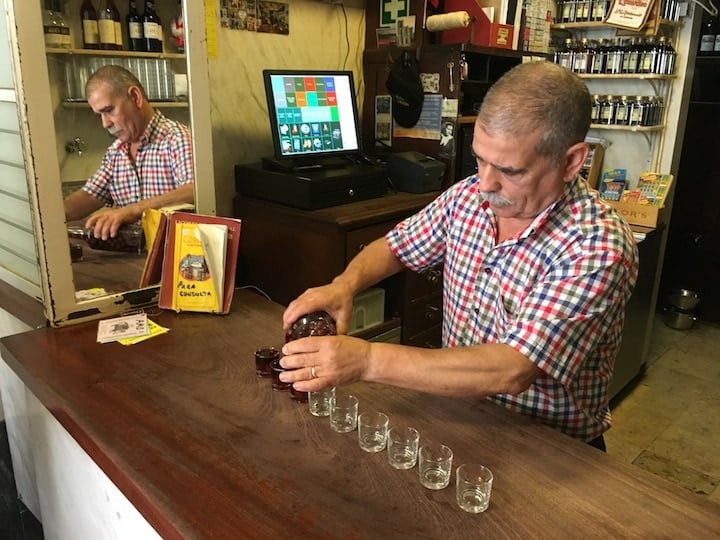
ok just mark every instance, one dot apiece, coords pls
pixel 434 465
pixel 343 413
pixel 402 446
pixel 319 402
pixel 473 486
pixel 263 357
pixel 372 431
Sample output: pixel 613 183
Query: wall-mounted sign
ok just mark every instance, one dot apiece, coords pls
pixel 390 10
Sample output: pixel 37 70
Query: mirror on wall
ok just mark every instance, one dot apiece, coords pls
pixel 82 279
pixel 115 265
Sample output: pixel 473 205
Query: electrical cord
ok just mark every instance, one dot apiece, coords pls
pixel 711 8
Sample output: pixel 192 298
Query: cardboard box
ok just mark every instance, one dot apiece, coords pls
pixel 481 31
pixel 638 214
pixel 368 310
pixel 651 186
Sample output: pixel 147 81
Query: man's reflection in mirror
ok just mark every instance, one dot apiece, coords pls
pixel 149 165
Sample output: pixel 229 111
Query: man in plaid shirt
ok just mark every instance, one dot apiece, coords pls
pixel 149 165
pixel 536 271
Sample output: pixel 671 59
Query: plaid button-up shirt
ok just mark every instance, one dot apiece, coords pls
pixel 164 162
pixel 556 293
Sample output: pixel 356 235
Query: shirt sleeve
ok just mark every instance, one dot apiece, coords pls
pixel 182 157
pixel 566 315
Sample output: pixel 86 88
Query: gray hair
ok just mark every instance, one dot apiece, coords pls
pixel 539 95
pixel 118 78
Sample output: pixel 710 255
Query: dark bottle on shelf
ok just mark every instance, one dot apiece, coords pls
pixel 108 26
pixel 599 60
pixel 708 32
pixel 136 42
pixel 88 18
pixel 152 28
pixel 615 57
pixel 648 54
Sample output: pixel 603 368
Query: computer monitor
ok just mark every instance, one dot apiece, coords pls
pixel 313 114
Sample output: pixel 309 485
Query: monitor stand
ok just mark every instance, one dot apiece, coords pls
pixel 303 164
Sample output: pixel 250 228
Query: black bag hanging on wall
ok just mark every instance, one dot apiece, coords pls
pixel 406 90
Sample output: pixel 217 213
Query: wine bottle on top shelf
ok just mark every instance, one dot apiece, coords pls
pixel 108 26
pixel 136 41
pixel 90 33
pixel 152 28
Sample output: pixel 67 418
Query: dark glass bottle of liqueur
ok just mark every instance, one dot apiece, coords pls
pixel 88 20
pixel 109 27
pixel 152 28
pixel 707 34
pixel 134 28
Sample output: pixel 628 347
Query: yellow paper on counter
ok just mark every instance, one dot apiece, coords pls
pixel 154 330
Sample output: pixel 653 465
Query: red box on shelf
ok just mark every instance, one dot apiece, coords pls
pixel 481 31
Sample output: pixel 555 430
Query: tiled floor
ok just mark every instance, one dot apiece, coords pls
pixel 669 422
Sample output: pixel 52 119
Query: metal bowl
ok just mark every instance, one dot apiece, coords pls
pixel 679 320
pixel 683 299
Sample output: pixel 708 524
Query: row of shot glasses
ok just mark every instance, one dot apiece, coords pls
pixel 402 442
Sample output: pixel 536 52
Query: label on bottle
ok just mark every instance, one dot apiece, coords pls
pixel 152 30
pixel 707 42
pixel 135 30
pixel 118 35
pixel 107 31
pixel 91 35
pixel 57 36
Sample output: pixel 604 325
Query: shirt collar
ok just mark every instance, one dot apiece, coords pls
pixel 151 129
pixel 570 189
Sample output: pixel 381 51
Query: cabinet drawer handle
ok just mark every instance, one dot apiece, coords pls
pixel 431 312
pixel 361 247
pixel 433 277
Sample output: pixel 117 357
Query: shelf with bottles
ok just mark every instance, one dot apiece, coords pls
pixel 589 14
pixel 637 76
pixel 155 103
pixel 638 129
pixel 116 53
pixel 600 24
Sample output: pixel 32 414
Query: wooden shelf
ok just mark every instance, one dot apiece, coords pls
pixel 639 76
pixel 600 24
pixel 131 54
pixel 614 127
pixel 158 104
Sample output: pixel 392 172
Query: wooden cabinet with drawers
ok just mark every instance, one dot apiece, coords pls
pixel 286 250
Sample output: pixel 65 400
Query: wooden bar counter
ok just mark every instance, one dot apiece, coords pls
pixel 203 448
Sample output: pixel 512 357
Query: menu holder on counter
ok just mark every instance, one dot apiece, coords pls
pixel 154 224
pixel 199 263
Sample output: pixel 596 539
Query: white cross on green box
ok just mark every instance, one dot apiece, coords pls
pixel 390 10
